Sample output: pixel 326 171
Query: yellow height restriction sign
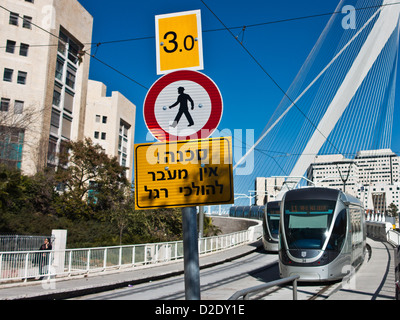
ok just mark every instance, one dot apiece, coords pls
pixel 179 41
pixel 183 173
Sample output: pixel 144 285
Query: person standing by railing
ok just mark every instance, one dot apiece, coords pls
pixel 44 257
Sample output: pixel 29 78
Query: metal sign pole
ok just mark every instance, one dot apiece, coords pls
pixel 201 221
pixel 191 254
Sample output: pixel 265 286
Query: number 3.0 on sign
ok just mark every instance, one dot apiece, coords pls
pixel 179 41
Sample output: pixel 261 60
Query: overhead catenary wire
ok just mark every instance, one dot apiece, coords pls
pixel 251 25
pixel 247 26
pixel 376 90
pixel 268 74
pixel 293 103
pixel 124 40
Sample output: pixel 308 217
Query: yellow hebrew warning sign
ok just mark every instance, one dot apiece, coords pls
pixel 183 173
pixel 179 41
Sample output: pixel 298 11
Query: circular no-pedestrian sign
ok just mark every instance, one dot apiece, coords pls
pixel 183 105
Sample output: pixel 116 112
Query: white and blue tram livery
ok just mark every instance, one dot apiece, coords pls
pixel 269 214
pixel 322 234
pixel 271 219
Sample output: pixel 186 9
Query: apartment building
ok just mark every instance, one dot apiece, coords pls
pixel 110 123
pixel 46 96
pixel 372 176
pixel 378 166
pixel 334 171
pixel 44 79
pixel 267 189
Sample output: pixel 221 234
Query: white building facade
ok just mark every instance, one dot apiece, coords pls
pixel 372 176
pixel 44 79
pixel 44 89
pixel 334 171
pixel 267 189
pixel 110 122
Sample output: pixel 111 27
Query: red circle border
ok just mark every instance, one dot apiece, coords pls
pixel 201 79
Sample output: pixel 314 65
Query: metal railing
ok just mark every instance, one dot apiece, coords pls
pixel 24 265
pixel 21 242
pixel 245 293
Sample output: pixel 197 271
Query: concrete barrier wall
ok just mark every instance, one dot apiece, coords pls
pixel 378 230
pixel 231 225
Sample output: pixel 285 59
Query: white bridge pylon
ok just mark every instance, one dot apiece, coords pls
pixel 385 25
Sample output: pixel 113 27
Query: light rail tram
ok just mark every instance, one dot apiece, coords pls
pixel 271 226
pixel 269 214
pixel 322 235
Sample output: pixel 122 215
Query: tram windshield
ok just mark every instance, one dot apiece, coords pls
pixel 307 223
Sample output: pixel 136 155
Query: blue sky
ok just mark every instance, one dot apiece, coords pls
pixel 249 95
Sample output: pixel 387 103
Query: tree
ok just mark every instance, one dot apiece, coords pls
pixel 121 213
pixel 26 202
pixel 89 179
pixel 12 189
pixel 393 210
pixel 156 225
pixel 210 230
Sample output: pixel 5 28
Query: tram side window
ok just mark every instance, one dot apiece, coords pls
pixel 339 232
pixel 254 212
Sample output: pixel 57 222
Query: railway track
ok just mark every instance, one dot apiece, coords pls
pixel 218 283
pixel 304 292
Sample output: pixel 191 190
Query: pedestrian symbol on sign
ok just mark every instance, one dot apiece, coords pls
pixel 183 100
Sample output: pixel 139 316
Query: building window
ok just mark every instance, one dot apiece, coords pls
pixel 23 49
pixel 73 50
pixel 59 69
pixel 5 104
pixel 10 47
pixel 70 80
pixel 123 160
pixel 104 119
pixel 103 136
pixel 68 101
pixel 69 48
pixel 22 77
pixel 27 22
pixel 62 43
pixel 66 127
pixel 55 121
pixel 14 18
pixel 11 143
pixel 8 73
pixel 18 107
pixel 96 134
pixel 52 151
pixel 98 118
pixel 123 142
pixel 56 98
